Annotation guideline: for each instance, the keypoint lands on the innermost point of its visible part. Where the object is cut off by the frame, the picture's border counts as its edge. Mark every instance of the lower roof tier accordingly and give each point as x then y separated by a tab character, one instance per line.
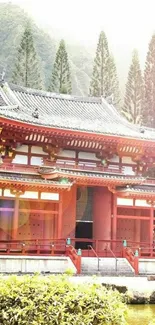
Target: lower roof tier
136	191
31	182
57	180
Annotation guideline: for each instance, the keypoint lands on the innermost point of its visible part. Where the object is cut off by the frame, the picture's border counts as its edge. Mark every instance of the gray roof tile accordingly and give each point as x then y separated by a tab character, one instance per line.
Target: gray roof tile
67	112
90	174
137	188
29	179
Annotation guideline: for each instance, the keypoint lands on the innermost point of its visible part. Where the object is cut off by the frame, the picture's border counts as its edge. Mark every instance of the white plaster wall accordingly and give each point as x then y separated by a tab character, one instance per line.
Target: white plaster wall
128	160
67	153
124	201
141	203
20	159
38	150
147	266
127	170
8	193
114	159
31	264
36	161
29	195
23	148
87	155
50	196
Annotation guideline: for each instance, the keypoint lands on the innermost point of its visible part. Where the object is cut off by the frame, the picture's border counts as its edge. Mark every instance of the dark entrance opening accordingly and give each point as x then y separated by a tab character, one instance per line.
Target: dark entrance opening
83	230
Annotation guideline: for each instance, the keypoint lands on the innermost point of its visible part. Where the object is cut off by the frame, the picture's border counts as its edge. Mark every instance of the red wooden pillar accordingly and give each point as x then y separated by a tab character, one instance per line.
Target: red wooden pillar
137	231
69	213
151	228
15	219
114	223
137	227
102	214
60	213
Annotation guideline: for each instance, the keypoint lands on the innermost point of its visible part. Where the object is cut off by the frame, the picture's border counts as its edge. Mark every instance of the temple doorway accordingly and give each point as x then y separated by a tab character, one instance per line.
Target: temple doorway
84	220
83	230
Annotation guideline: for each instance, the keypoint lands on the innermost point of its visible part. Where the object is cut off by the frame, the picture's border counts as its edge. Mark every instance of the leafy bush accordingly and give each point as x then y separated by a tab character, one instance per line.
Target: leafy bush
56	301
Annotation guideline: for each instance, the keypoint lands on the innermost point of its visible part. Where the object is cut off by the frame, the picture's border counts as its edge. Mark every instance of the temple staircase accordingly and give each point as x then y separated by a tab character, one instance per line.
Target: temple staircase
106	266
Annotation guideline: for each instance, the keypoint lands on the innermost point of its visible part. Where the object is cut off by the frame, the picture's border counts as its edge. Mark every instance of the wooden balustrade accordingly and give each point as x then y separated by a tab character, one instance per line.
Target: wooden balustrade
76	259
132	258
59	247
83	166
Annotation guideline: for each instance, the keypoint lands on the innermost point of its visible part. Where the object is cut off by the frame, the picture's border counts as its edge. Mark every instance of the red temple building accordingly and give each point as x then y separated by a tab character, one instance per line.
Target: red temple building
73	168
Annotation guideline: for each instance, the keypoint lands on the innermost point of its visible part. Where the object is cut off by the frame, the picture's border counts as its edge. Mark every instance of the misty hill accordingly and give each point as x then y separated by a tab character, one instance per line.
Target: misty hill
12	24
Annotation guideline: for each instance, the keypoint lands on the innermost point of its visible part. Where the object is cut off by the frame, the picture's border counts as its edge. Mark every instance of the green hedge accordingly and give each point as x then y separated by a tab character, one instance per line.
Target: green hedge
55	300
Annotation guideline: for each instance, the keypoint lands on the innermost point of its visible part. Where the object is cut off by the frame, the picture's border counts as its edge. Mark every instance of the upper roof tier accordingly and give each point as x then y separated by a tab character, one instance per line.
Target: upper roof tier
89	114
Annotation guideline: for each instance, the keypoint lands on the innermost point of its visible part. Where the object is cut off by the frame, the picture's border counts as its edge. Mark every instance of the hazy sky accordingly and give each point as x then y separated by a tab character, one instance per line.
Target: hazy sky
128	24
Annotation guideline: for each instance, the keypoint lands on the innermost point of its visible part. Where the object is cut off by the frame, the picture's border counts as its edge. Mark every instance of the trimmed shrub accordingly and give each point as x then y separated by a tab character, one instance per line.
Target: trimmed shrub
54	300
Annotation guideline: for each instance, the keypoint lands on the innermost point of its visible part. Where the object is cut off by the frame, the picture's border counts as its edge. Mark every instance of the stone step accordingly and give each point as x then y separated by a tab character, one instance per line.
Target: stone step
106	266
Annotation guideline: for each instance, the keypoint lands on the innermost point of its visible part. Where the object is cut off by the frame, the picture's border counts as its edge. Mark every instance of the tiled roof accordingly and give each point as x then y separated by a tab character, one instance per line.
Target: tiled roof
91	174
137	188
66	112
8	177
2	101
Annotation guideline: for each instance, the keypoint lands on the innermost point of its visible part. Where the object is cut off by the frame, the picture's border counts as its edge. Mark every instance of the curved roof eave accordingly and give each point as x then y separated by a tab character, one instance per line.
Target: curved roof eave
89	117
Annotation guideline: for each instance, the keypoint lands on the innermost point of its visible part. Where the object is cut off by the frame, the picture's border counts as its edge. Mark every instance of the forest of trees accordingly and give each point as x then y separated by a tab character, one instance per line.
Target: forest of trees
34	60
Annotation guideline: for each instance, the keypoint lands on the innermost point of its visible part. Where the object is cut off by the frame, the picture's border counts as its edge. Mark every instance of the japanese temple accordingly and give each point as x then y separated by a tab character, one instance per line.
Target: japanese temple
73	170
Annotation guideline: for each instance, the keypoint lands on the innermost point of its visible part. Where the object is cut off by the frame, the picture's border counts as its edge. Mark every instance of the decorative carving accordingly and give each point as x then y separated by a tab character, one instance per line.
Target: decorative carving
7	154
17	192
105	155
52	151
151	202
112	189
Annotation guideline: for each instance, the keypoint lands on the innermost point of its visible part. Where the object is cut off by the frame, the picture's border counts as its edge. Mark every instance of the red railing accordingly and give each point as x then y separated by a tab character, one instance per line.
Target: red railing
19	168
145	249
33	247
86	166
41	247
76	259
132	259
103	248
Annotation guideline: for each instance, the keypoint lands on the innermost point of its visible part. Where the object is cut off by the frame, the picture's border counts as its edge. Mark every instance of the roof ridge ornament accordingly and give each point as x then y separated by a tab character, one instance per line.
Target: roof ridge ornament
142	130
110	99
35	113
2	76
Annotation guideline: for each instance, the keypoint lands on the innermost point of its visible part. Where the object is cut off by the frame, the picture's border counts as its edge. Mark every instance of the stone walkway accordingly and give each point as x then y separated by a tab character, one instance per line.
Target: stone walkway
140	284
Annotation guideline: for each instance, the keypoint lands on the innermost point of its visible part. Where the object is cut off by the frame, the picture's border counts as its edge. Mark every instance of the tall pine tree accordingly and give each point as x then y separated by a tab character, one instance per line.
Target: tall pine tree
133	100
149	86
61	78
104	78
27	70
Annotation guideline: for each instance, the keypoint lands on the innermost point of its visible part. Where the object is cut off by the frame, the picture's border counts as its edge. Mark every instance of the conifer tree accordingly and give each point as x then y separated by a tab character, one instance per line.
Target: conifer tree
61	78
149	86
133	100
27	70
104	78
